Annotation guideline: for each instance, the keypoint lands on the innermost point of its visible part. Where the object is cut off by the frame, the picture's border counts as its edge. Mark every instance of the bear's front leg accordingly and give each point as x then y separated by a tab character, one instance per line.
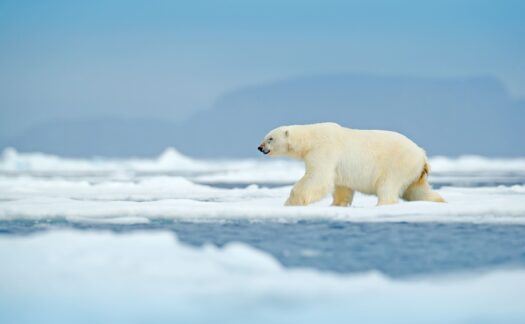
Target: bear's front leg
343	196
301	198
296	199
308	190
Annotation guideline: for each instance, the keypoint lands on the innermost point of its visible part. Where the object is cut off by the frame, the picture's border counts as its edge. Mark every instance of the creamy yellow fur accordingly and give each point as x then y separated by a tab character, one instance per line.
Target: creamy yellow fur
343	160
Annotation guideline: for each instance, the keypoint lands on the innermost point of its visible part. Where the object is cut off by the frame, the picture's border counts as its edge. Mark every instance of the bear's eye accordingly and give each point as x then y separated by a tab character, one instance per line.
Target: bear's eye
270	139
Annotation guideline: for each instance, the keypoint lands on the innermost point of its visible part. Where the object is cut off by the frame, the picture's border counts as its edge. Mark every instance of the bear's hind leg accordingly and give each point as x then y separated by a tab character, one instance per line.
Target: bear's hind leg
342	196
421	190
387	195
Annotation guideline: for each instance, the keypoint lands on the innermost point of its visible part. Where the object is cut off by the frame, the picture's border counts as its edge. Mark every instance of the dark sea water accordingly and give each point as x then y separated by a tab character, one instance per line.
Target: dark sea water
395	249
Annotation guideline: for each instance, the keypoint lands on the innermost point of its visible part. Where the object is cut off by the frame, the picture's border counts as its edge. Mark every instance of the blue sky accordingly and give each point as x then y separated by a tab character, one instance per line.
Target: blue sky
167	59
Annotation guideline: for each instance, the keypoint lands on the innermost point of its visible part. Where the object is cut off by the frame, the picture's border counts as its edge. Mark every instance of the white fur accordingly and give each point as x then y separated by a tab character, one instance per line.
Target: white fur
343	160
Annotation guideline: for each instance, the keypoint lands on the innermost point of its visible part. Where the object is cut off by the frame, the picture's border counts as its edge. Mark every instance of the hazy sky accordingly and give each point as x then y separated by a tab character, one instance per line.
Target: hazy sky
165	59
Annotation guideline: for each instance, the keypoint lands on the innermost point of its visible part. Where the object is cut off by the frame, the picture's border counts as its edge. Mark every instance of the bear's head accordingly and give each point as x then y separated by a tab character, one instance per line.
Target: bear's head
276	142
296	141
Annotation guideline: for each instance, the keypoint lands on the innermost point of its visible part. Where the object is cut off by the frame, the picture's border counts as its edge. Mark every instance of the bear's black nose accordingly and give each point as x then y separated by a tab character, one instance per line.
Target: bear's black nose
260	148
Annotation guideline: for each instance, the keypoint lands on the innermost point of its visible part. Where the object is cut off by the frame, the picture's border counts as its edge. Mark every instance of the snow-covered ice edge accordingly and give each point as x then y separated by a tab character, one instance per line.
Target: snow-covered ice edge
178	198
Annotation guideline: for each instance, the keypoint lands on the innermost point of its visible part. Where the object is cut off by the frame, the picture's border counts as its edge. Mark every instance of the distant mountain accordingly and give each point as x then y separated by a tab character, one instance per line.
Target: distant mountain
448	116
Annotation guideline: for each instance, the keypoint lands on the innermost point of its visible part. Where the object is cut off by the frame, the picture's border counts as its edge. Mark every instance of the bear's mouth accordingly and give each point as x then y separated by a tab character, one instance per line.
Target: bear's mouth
263	150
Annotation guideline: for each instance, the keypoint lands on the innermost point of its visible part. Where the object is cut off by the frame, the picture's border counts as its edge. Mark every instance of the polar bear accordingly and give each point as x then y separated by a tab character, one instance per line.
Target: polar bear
343	160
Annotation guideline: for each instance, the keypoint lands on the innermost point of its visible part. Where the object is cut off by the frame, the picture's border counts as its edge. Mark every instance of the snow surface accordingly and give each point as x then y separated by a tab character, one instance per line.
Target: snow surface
178	198
39	186
99	276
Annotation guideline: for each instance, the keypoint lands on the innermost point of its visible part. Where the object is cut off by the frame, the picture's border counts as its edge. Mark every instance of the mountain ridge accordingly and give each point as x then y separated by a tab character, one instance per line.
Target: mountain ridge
446	116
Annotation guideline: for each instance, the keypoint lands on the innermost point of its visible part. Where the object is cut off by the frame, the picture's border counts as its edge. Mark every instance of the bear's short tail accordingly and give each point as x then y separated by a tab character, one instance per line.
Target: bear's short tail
421	190
424	174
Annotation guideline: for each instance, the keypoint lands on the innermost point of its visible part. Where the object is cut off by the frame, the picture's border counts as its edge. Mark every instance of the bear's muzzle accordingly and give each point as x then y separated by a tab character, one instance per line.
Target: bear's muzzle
263	149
